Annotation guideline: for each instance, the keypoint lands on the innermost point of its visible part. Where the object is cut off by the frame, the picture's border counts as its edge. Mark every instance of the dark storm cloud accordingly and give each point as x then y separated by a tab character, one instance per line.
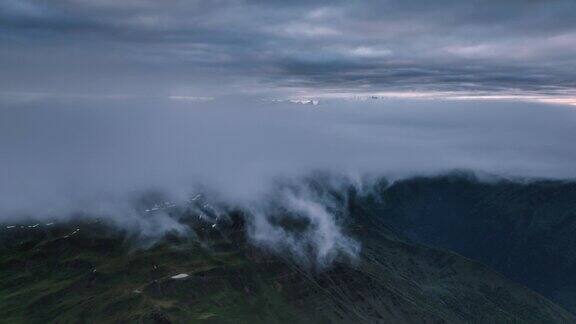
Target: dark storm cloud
188	47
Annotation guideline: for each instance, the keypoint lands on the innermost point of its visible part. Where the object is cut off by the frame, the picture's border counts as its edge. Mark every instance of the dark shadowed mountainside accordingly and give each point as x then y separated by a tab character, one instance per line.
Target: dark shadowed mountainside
523	230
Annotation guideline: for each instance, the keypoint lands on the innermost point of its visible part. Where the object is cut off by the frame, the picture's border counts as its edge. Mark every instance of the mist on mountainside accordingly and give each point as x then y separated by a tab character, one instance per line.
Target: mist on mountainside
98	158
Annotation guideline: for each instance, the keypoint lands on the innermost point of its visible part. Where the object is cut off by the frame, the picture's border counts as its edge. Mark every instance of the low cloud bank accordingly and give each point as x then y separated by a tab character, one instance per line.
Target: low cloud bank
96	157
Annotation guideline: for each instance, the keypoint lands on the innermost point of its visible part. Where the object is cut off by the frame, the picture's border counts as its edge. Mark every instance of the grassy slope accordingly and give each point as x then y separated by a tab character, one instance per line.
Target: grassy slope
96	276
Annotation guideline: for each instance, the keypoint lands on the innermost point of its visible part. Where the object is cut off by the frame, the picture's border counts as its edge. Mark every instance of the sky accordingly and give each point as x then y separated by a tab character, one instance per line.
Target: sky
147	48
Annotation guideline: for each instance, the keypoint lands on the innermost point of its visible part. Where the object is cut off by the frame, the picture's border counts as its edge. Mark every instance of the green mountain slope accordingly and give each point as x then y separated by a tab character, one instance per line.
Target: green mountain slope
83	272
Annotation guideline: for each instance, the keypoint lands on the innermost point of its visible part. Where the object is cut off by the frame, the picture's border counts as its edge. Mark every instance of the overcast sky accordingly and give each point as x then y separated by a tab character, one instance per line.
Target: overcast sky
197	47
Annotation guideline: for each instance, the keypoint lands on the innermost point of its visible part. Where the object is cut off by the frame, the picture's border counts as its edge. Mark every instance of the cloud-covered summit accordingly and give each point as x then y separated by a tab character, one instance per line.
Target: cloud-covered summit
176	47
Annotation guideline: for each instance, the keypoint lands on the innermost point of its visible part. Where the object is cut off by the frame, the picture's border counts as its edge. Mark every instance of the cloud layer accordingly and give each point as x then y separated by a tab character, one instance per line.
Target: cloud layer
82	149
103	157
179	47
